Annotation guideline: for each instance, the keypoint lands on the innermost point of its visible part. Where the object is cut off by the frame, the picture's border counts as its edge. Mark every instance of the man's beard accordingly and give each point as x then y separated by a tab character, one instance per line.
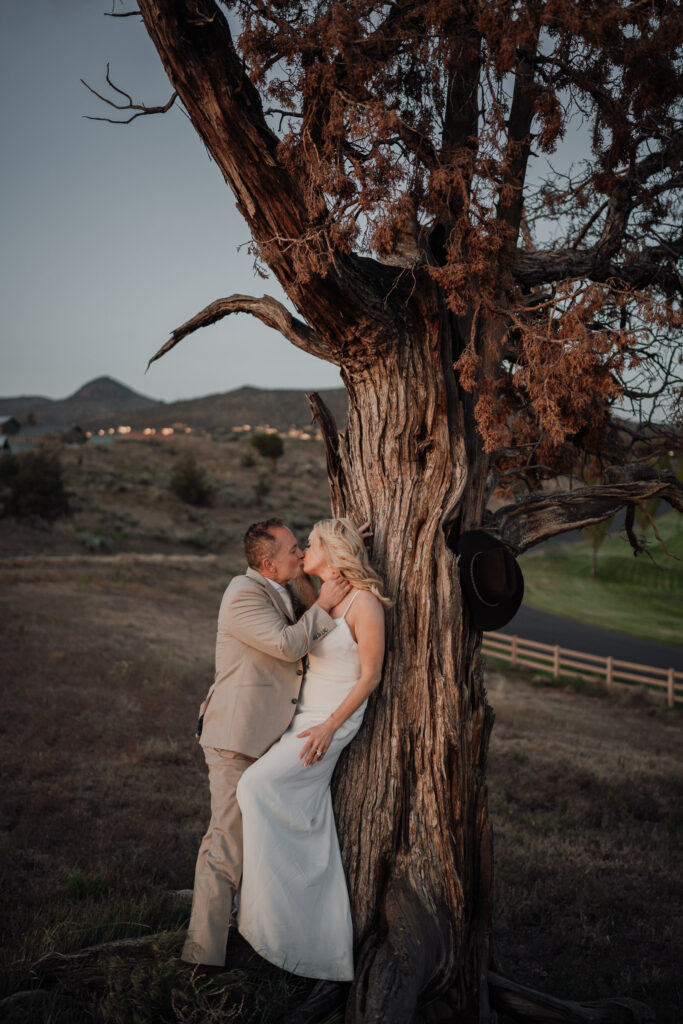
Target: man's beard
303	591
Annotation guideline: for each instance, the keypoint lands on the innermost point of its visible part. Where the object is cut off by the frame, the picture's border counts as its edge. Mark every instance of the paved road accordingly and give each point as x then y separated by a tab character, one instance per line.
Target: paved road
545	628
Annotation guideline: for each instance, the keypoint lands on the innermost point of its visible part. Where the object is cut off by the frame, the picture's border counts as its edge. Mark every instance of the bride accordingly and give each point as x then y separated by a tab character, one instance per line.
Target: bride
294	905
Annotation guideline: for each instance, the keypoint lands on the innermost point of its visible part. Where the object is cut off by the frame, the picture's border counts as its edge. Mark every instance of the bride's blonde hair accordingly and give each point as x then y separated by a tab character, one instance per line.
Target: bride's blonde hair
344	550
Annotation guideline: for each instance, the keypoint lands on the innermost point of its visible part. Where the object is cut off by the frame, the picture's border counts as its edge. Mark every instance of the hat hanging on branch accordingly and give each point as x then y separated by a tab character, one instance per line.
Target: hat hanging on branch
491	579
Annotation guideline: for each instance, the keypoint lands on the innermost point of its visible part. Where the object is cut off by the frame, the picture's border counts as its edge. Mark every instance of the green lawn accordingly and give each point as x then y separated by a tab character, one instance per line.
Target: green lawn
629	594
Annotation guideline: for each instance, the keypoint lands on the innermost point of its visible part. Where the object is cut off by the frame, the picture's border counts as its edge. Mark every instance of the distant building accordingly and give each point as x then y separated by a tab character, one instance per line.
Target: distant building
9	425
75	436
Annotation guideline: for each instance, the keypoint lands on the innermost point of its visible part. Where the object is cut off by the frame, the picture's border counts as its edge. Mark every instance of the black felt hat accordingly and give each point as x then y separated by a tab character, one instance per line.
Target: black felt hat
491	579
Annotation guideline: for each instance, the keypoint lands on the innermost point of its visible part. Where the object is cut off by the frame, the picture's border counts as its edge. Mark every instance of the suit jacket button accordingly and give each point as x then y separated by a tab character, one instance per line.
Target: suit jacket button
294	700
299	671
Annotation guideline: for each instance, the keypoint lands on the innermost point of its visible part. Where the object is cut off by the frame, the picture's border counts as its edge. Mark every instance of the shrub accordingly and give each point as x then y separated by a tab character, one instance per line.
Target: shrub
270	446
190	483
33	485
262	490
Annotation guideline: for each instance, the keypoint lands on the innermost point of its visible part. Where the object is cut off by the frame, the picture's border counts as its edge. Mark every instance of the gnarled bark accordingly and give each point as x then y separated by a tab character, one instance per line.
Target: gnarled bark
527	1005
410	793
538	517
268	310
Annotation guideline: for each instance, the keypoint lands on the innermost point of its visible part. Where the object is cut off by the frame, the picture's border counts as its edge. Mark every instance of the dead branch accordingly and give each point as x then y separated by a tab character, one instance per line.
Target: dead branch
268	310
511	195
328	428
140	108
637	545
653	265
589	224
657	534
94	967
525	1005
123	14
538	517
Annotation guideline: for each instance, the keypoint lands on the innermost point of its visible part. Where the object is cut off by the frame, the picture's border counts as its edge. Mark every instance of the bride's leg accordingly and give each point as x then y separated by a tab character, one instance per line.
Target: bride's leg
294	905
280	771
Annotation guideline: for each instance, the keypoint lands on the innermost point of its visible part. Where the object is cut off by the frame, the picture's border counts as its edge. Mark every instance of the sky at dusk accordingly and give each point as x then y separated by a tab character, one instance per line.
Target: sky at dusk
113	235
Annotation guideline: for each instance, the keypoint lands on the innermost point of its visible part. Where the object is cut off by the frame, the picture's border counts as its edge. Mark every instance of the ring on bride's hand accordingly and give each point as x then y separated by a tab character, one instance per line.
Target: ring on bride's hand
320	753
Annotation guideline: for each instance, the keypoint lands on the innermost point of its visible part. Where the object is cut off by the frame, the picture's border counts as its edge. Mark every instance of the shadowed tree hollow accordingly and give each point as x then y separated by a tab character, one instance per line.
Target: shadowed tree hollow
501	317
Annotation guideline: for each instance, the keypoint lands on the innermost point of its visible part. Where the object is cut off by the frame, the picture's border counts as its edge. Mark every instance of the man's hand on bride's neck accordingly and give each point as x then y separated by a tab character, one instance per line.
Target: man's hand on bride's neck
332	592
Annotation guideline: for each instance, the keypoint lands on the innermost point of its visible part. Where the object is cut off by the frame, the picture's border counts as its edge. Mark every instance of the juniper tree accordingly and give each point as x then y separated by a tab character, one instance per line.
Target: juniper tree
491	310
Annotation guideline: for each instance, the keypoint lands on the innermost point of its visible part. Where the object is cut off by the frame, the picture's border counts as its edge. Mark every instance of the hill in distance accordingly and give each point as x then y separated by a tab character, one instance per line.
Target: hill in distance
104	403
100	397
256	406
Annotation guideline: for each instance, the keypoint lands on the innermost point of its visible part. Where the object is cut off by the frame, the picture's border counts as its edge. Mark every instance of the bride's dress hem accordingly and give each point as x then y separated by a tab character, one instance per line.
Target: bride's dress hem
294	904
300	968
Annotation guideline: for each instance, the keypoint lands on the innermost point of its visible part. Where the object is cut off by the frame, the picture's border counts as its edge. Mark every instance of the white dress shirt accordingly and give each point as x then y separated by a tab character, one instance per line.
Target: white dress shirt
284	594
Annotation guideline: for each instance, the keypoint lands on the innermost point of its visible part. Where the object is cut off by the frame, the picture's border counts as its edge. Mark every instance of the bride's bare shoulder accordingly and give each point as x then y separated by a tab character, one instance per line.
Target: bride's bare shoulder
365	601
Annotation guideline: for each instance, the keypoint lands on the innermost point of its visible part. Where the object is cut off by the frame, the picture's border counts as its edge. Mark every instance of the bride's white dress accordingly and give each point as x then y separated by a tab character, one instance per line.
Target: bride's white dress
294	904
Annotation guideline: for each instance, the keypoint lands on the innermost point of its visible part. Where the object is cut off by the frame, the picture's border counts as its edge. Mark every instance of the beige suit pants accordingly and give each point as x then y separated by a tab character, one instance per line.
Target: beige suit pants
219	862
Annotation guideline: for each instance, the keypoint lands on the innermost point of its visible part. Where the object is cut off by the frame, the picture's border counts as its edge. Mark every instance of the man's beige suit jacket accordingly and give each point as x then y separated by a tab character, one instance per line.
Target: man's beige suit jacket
259	651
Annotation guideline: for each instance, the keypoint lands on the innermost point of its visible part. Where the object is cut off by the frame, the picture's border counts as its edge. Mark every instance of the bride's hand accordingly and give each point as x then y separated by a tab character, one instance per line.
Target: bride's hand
317	742
366	532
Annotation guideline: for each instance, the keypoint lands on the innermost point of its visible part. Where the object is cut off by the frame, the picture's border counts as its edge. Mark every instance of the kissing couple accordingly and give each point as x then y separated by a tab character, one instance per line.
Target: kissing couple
288	696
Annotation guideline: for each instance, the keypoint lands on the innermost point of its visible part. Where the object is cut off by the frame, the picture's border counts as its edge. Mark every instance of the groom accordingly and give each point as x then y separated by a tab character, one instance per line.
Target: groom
259	669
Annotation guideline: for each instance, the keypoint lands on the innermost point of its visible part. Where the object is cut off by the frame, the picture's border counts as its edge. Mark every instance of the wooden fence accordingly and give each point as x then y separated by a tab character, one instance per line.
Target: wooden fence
559	661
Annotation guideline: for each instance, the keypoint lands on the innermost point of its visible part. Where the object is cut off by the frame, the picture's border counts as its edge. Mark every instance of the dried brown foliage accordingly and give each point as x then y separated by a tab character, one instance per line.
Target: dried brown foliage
409	127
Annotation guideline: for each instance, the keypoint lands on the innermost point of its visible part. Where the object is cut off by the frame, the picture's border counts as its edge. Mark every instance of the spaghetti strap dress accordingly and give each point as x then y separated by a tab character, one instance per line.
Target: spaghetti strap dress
293	903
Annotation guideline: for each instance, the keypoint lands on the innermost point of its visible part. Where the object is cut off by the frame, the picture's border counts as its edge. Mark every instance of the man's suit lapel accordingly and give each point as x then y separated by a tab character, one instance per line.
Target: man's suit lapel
271	592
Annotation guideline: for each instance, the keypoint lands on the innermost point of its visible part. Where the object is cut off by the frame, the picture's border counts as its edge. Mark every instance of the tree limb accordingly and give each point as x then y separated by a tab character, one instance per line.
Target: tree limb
196	47
268	310
539	517
461	114
657	534
141	108
526	1006
93	968
589	224
335	469
653	265
518	148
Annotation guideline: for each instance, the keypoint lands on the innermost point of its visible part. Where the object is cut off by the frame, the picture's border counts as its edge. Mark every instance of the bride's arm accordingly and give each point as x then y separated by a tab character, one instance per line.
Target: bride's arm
368	626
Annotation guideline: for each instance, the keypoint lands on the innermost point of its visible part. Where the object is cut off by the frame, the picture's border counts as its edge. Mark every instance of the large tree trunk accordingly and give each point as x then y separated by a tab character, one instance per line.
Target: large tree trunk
410	796
410	793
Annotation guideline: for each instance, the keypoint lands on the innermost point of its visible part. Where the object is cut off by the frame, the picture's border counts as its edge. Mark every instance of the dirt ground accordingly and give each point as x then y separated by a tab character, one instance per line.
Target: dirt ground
104	796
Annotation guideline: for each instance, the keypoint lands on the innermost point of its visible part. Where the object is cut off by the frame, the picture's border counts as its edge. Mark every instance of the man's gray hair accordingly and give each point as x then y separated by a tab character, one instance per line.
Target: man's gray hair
260	542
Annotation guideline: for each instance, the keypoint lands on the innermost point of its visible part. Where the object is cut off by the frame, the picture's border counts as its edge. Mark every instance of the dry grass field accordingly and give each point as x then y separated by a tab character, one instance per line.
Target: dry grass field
104	795
120	499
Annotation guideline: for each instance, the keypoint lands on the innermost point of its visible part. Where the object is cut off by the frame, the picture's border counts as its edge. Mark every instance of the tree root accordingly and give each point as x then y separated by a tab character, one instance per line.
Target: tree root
24	1002
395	967
323	999
95	967
401	967
392	972
524	1004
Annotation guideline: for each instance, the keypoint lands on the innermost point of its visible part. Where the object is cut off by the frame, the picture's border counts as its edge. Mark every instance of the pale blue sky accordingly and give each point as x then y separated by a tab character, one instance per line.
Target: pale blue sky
113	235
